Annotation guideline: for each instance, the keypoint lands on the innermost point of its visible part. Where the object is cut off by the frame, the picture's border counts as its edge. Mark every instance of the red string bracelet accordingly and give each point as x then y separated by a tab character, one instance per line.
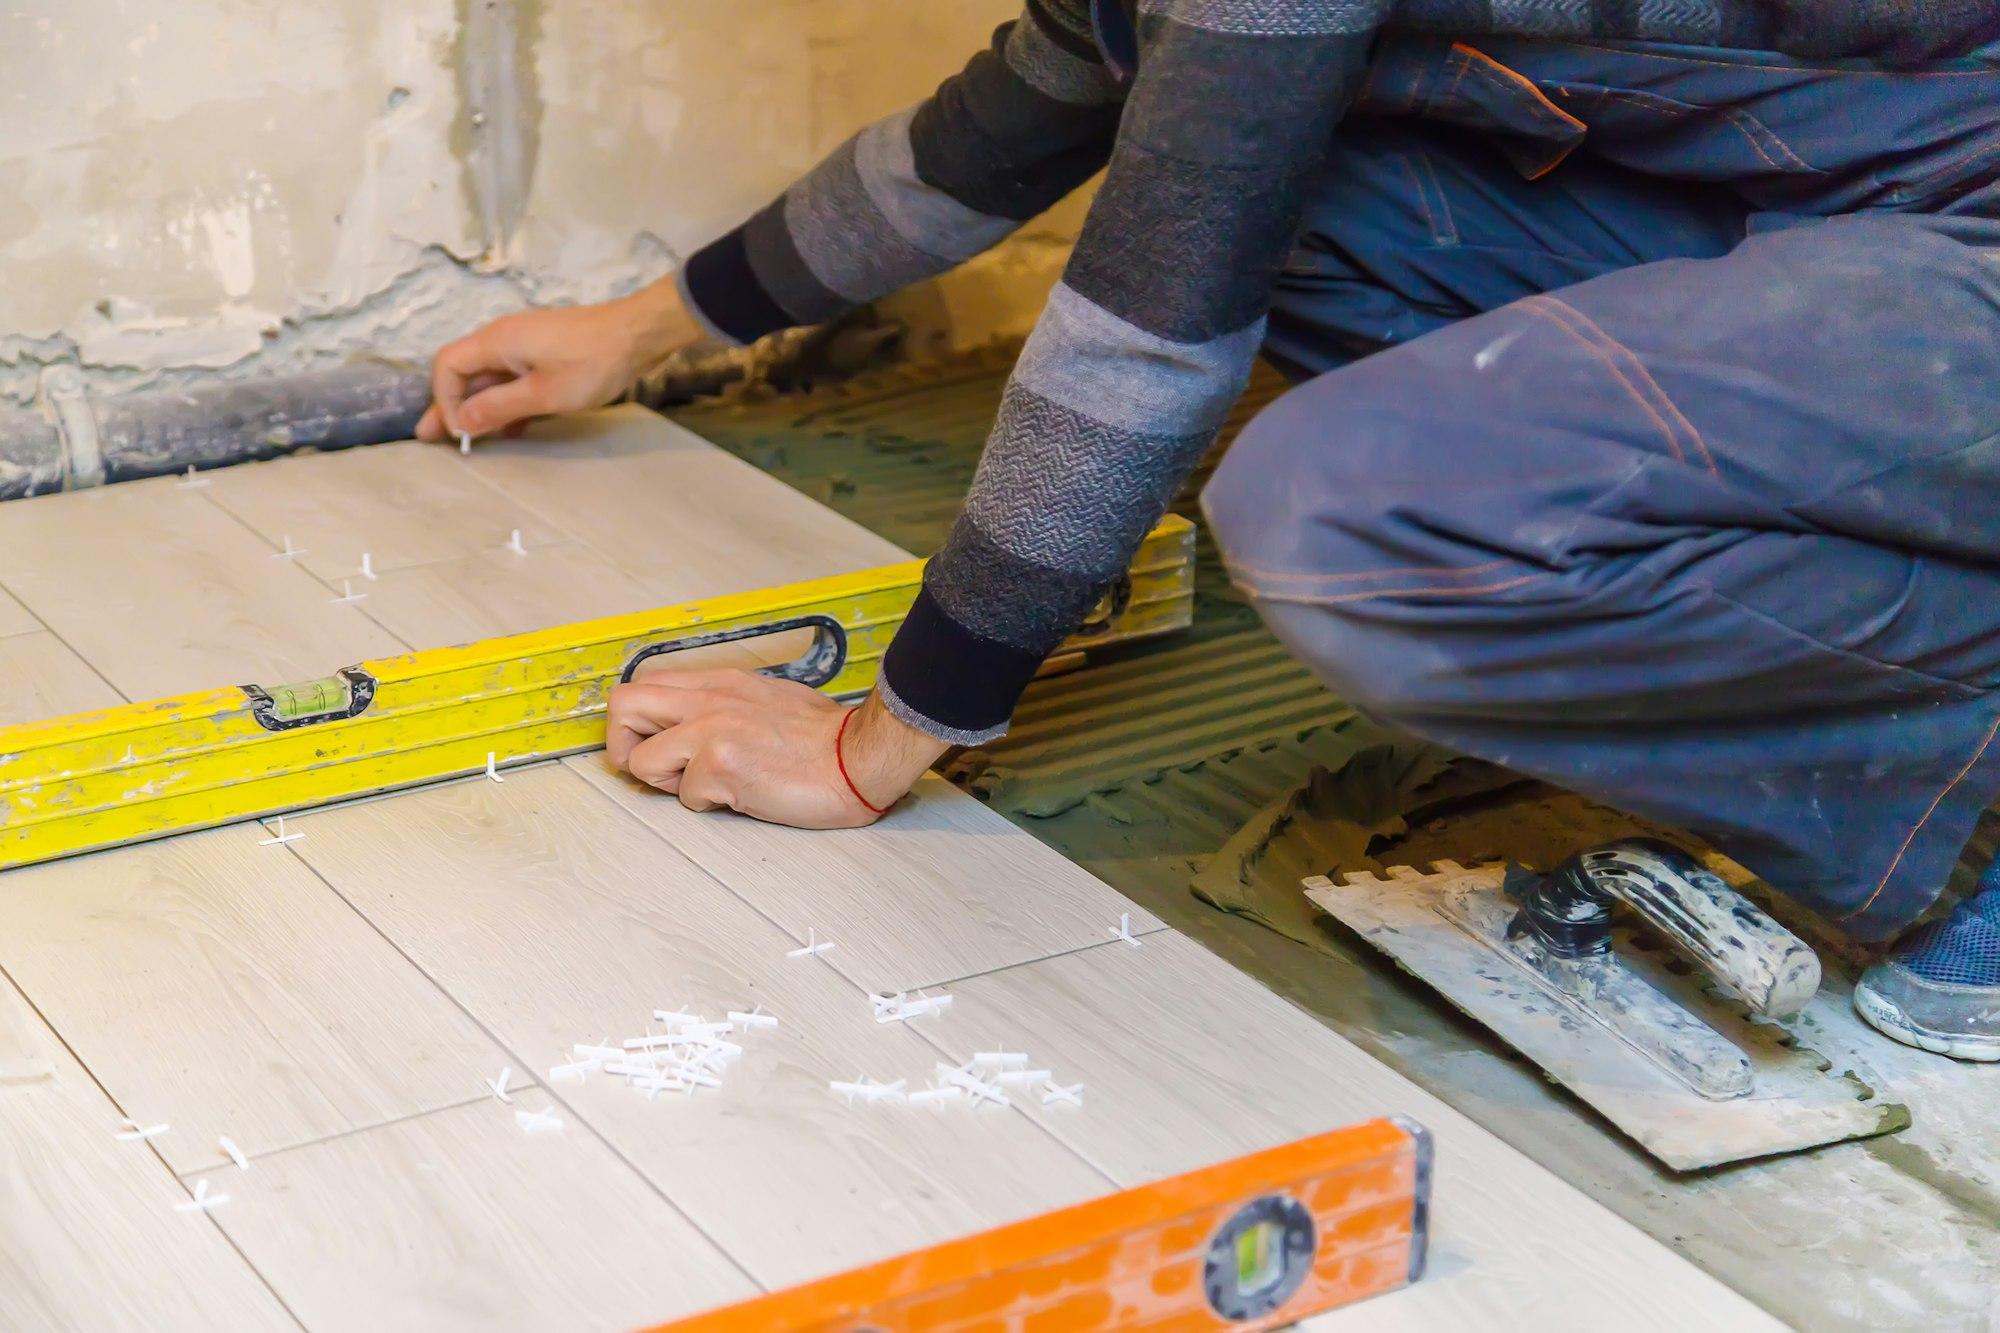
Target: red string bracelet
845	776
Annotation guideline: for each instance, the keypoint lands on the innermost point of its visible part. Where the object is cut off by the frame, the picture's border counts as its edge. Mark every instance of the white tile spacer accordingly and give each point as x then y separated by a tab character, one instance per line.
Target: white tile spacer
751	1020
927	1004
814	947
492	772
498	1086
976	1088
537	1122
281	838
998	1060
1123	930
232	1152
1021	1078
947	1093
202	1200
190	481
137	1131
1057	1095
514	543
676	1019
587	1052
347	593
576	1070
653	1043
868	1090
290	552
465	442
367	566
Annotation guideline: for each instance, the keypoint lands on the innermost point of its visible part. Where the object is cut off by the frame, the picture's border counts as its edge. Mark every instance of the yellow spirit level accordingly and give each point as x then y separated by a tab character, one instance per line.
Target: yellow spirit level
145	770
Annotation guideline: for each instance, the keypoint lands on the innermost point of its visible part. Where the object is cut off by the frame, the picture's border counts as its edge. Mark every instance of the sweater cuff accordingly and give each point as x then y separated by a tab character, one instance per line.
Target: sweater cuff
725	297
948	682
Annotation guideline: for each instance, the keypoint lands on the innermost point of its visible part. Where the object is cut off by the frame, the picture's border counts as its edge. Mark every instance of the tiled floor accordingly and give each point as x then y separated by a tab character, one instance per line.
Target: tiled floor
334	1005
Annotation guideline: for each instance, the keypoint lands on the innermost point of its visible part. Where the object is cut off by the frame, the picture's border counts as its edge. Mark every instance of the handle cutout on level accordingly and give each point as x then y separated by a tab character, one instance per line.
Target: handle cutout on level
344	694
1110	606
817	665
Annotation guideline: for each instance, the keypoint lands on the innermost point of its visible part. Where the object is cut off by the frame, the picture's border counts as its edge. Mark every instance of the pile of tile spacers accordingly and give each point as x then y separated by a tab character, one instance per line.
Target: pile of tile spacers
690	1053
902	1006
984	1080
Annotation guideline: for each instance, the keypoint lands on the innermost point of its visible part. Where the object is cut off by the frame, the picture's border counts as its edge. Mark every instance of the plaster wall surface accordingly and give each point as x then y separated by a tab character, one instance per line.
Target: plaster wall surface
242	186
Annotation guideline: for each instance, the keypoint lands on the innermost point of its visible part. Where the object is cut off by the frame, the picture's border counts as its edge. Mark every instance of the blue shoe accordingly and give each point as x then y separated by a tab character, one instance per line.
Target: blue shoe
1939	987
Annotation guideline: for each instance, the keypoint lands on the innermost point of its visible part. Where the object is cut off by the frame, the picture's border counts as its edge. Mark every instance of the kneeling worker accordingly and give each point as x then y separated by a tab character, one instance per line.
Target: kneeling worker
1647	438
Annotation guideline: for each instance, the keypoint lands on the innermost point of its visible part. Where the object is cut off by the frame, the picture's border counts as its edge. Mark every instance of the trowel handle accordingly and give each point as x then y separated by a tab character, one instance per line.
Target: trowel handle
1707	922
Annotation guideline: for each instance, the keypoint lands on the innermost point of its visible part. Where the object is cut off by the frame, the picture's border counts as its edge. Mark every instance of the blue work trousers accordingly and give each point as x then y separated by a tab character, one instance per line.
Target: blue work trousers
1649	442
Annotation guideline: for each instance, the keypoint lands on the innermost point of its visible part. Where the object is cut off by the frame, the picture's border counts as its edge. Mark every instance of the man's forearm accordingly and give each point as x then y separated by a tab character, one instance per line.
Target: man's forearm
659	322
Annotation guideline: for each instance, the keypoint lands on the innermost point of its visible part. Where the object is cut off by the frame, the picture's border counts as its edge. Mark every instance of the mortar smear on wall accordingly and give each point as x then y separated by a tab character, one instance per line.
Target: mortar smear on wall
209	188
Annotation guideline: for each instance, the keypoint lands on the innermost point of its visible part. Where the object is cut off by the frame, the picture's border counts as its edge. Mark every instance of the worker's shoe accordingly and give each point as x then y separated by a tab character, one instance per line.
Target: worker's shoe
1939	986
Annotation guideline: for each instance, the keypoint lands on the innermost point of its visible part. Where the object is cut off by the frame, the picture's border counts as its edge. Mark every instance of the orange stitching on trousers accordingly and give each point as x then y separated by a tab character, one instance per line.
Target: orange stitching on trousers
1950	787
1665	400
1335	599
1442	571
1496	67
1532	306
1740	121
1788	69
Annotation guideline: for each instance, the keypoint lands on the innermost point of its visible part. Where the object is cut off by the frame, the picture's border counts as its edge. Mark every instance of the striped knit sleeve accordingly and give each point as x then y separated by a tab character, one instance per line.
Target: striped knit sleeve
1143	347
908	197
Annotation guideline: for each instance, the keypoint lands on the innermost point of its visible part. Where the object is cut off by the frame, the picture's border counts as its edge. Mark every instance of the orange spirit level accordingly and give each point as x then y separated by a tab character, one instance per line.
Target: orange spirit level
1249	1244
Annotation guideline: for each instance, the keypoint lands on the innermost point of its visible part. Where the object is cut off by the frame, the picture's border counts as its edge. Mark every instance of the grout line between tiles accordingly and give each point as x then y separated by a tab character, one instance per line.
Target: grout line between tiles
247	526
862	992
1042	958
350	1132
50	630
151	1147
524	1063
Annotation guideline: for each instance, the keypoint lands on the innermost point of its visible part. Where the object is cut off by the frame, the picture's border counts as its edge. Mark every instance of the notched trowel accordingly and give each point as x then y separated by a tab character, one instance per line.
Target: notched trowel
1695	1063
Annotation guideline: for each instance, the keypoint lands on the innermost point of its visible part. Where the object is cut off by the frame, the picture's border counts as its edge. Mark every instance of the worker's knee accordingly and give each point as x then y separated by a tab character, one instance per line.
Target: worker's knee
1306	486
1346	512
1393	672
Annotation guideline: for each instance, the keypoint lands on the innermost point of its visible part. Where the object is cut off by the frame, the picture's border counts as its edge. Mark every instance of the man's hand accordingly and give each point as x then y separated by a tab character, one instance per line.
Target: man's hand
764	747
541	362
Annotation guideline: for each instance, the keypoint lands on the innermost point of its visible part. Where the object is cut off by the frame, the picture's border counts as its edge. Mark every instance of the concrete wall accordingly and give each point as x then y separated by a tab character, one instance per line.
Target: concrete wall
235	185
